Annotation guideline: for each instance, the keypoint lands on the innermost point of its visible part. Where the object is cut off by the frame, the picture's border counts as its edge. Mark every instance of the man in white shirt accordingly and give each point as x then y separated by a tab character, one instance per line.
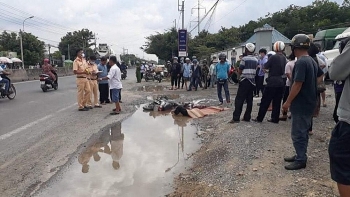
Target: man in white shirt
115	83
5	81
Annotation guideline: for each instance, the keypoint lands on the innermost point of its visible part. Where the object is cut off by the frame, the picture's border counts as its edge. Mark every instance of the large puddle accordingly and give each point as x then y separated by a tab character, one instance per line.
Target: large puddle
138	157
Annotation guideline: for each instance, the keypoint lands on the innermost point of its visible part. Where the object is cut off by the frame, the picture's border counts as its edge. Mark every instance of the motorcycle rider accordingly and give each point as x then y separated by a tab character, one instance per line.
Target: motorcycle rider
123	68
49	70
4	80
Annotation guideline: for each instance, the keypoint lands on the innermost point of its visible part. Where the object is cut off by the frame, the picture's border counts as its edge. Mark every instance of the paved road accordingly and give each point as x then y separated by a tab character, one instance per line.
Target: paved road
39	131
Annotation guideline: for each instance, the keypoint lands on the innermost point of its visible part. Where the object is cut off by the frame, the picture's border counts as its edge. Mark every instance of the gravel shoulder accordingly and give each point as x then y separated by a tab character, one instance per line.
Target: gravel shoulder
246	159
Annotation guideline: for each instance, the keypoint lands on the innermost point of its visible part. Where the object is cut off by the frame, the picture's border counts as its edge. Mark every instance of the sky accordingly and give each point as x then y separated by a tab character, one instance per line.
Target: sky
126	23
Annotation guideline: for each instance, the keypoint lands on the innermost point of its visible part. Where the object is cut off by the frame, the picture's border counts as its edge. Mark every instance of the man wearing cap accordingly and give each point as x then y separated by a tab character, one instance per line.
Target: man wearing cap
81	71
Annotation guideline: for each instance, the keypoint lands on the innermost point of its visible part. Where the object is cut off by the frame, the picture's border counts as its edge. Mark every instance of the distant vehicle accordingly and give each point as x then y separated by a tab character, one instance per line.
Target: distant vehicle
46	82
326	38
334	52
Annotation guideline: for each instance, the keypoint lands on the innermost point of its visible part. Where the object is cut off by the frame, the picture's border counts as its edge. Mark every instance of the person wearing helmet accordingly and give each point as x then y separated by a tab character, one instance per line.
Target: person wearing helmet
186	72
301	100
275	83
180	78
196	72
205	73
222	69
339	149
175	73
247	71
48	69
233	56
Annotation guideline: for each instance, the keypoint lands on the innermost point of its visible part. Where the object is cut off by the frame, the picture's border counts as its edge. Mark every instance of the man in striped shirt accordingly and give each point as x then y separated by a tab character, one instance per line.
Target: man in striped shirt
247	71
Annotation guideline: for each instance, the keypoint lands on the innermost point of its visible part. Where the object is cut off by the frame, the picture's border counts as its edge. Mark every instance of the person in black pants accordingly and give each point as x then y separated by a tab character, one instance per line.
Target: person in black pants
275	85
338	90
247	71
260	73
175	73
180	78
103	85
196	75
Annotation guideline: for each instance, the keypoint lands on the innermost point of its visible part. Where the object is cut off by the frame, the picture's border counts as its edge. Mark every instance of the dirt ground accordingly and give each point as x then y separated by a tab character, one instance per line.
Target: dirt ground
246	159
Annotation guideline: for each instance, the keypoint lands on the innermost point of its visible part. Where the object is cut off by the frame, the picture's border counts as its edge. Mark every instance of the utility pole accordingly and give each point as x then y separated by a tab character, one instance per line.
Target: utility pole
199	15
68	52
21	42
181	8
175	23
49	53
95	39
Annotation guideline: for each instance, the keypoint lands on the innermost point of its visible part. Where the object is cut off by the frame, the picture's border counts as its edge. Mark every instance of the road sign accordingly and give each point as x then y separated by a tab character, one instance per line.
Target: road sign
182	39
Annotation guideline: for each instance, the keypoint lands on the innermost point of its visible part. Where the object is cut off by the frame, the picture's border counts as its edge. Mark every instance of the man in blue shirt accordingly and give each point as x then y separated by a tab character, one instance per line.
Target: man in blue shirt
261	73
222	70
103	85
247	71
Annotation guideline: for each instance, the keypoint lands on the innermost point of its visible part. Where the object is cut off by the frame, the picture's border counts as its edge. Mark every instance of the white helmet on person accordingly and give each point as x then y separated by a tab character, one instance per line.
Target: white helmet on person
343	39
270	53
279	46
250	47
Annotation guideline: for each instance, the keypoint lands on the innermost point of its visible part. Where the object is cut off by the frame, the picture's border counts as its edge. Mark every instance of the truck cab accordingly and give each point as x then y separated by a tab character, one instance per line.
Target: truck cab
326	38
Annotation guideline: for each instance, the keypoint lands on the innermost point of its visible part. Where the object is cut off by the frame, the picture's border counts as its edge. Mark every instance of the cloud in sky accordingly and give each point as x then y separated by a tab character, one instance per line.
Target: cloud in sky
126	23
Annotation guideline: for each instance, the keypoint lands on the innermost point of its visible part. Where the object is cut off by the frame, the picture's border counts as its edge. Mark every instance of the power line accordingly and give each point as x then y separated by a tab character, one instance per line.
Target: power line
25	14
232	10
201	20
19	22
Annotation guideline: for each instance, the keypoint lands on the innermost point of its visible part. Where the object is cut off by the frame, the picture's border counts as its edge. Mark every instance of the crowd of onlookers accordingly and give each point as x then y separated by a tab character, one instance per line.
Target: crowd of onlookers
293	83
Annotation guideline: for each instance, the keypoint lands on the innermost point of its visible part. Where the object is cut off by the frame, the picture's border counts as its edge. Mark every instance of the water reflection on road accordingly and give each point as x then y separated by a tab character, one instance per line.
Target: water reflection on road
138	157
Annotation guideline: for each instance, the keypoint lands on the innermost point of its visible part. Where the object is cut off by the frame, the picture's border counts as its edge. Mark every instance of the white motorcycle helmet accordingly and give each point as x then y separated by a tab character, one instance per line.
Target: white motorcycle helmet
270	53
279	46
250	47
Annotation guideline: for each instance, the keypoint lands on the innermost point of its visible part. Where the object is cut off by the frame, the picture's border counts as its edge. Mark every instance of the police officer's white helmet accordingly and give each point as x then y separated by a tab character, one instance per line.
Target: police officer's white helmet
270	53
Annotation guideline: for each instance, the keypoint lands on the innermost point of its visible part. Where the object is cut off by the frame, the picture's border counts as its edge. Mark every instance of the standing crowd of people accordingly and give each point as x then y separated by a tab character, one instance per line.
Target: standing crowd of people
294	84
98	84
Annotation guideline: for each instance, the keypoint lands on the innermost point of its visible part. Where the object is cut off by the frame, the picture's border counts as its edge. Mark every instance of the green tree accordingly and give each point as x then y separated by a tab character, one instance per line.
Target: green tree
75	40
33	48
57	55
163	45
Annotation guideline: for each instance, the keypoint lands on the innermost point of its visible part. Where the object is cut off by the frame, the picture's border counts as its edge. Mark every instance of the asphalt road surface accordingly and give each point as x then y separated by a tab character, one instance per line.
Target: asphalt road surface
40	131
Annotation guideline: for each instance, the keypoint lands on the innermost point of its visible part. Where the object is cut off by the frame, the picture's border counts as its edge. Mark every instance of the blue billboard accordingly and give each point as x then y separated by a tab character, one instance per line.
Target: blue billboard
182	42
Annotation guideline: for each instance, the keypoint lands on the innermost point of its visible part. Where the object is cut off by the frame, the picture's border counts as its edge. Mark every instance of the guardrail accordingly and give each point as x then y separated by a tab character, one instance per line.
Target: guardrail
33	74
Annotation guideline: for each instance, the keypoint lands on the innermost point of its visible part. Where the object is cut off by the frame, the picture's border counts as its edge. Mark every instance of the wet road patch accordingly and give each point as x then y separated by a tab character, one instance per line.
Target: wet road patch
138	157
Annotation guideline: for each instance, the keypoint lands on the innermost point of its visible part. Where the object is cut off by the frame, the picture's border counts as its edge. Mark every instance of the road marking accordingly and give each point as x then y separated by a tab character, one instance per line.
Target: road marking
23	128
31	81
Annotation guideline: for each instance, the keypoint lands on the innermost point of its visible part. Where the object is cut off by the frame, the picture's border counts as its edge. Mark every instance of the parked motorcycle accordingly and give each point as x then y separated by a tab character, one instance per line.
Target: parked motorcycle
12	89
149	76
46	82
159	76
124	74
